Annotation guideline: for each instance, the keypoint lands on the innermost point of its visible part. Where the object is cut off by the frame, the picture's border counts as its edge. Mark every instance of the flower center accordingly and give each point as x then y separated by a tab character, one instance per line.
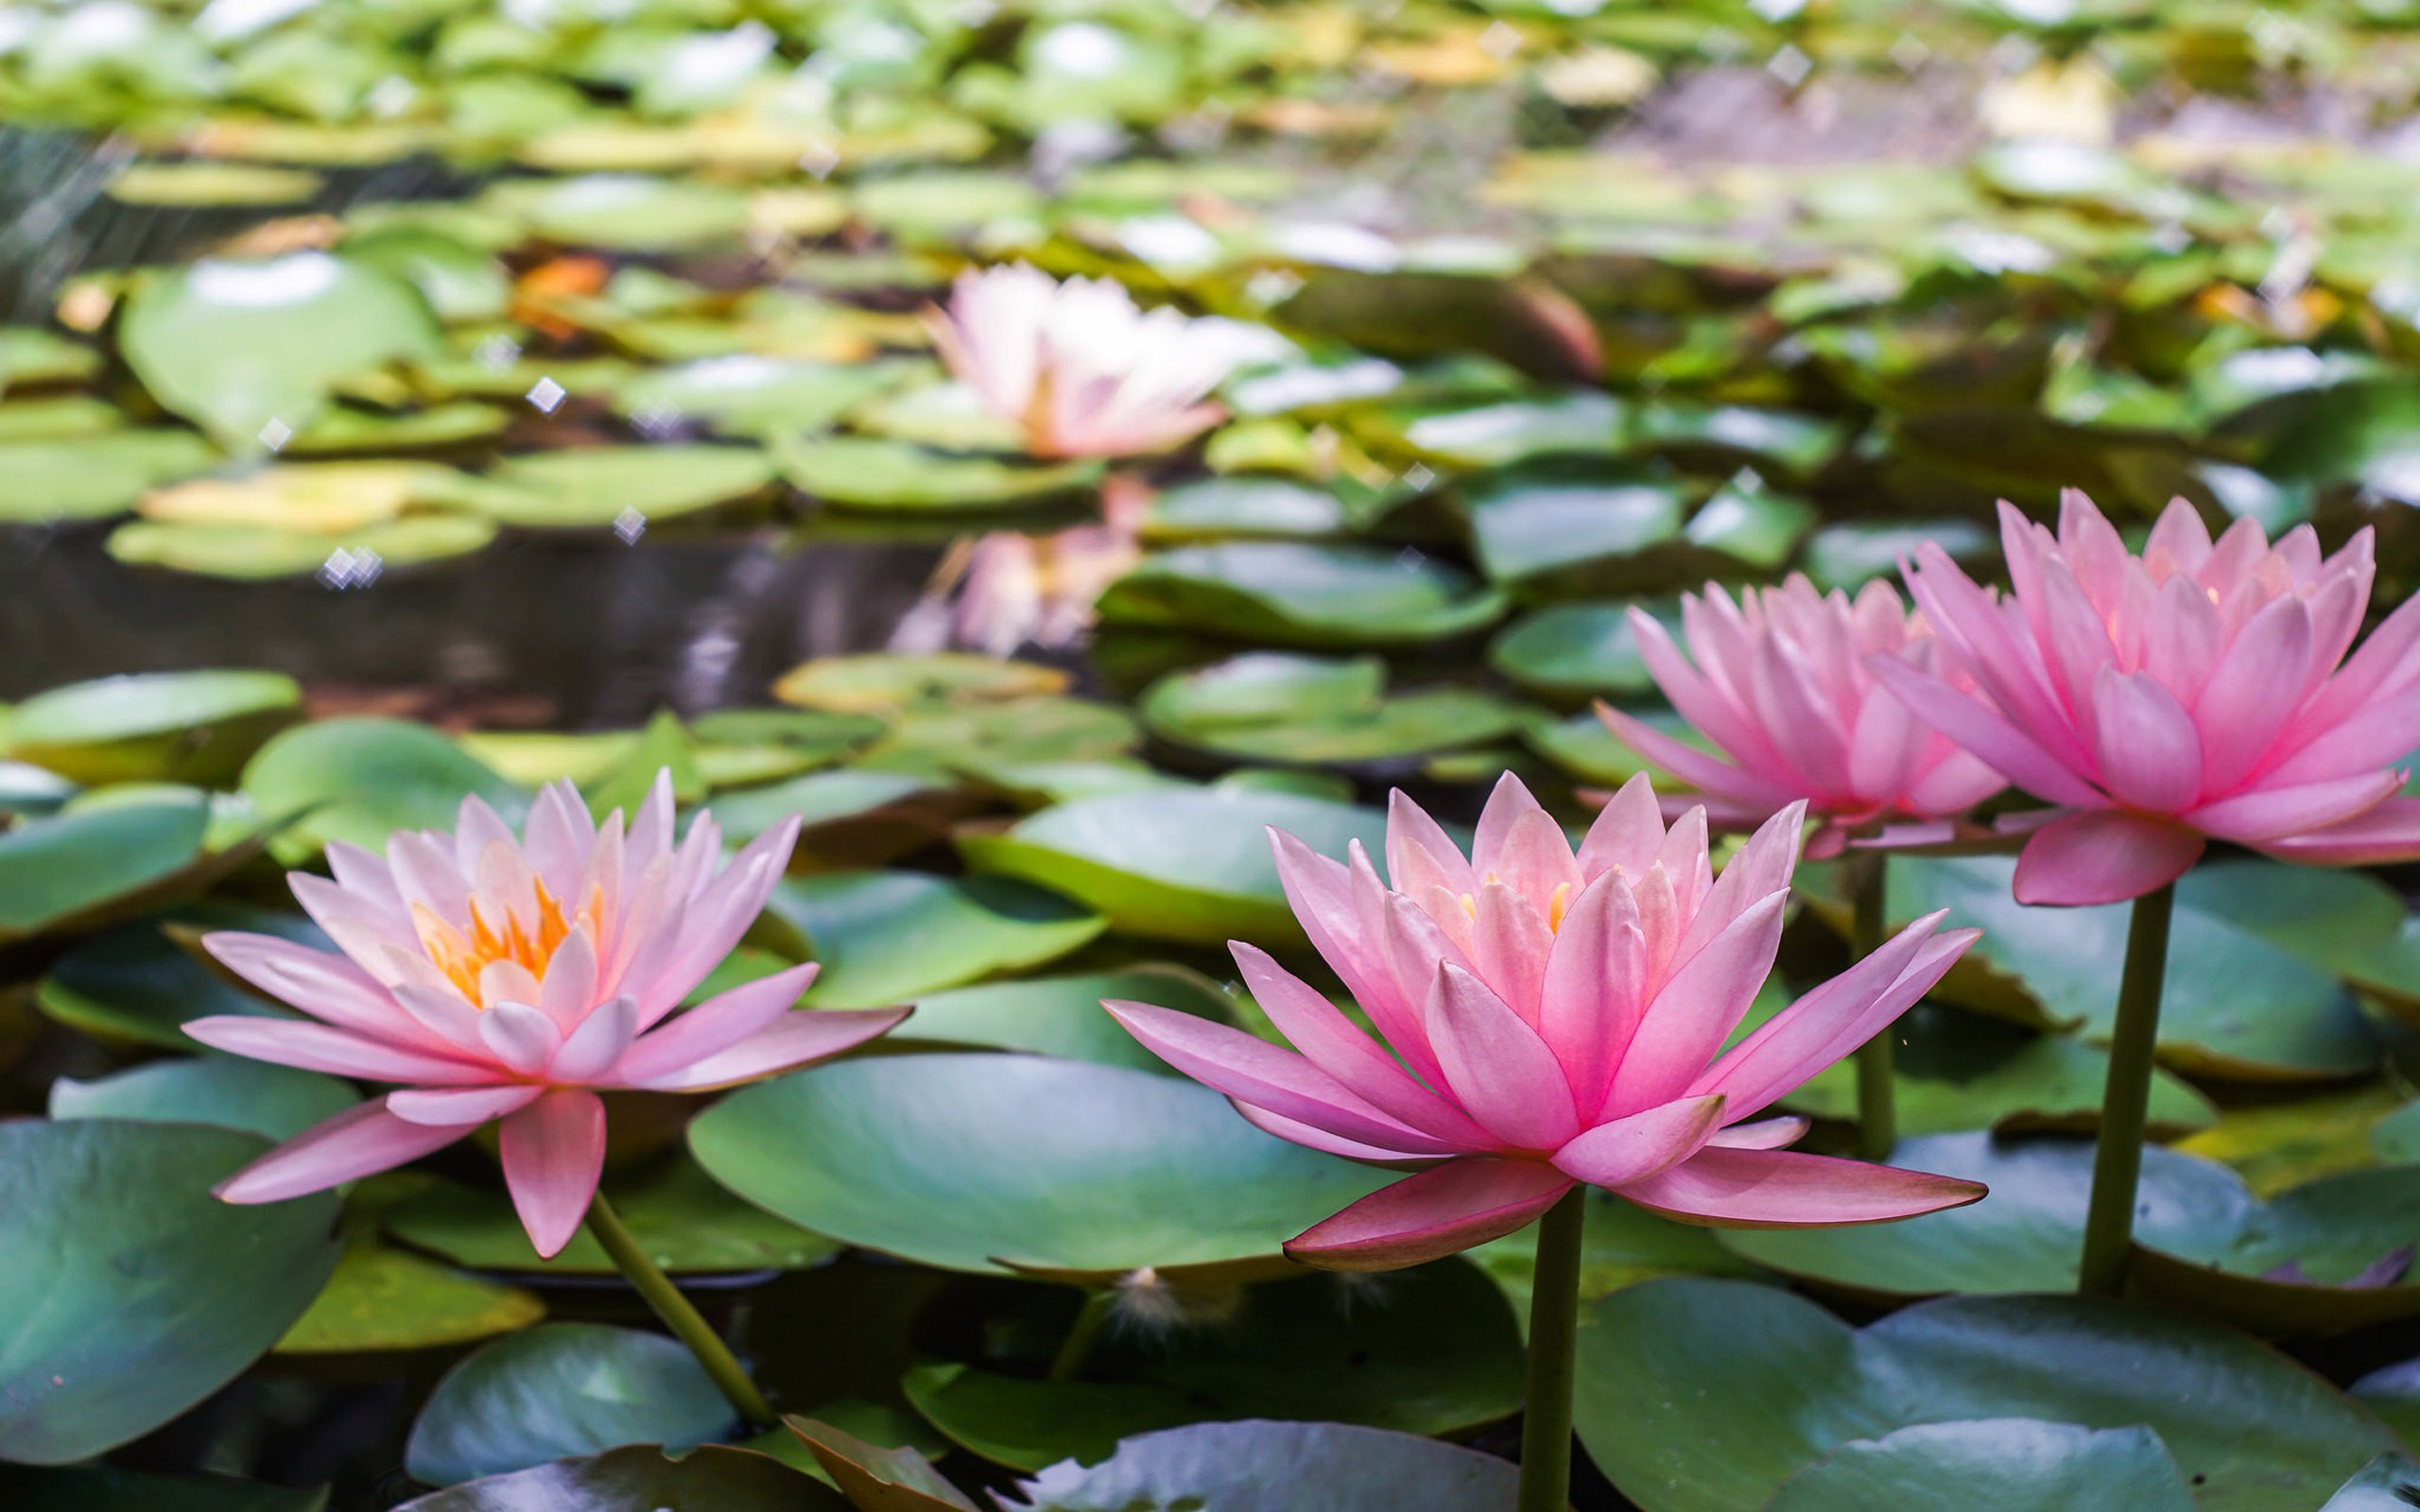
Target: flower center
527	943
1556	906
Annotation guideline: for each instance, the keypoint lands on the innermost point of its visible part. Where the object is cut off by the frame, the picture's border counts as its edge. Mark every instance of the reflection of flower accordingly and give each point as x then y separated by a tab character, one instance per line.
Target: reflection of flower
1780	684
509	978
1077	366
1546	1018
2188	693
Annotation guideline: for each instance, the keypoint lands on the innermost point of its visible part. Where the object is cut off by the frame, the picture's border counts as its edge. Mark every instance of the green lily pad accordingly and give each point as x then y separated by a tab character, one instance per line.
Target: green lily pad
1574	652
239	348
348	431
558	1390
361	780
133	983
461	279
989	1162
2387	1483
1061	1015
1848	555
868	473
2392	1392
1621	1244
830	804
624	211
199	184
59	418
1248	507
1335	1467
939	743
639	1478
602	487
882	682
92	477
382	1299
128	1292
1435	1354
679	1216
2329	1255
31	356
1685	1401
2027	1236
1993	1464
108	1488
2236	1004
1583	420
1299	595
173	727
354	557
275	1101
1191	865
889	937
1571	527
1277	707
71	871
743	394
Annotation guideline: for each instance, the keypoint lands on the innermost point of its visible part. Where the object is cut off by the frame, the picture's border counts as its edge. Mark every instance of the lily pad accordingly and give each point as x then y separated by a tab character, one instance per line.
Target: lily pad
992	1164
108	1488
1993	1464
239	348
625	212
1685	1401
1191	865
72	869
361	780
1575	652
1278	707
275	1101
619	487
868	473
1274	1467
92	477
679	1216
136	984
344	560
382	1299
1299	595
841	812
174	727
558	1390
1569	526
2387	1483
639	1478
128	1292
889	682
2329	1255
747	395
1061	1015
889	937
1248	507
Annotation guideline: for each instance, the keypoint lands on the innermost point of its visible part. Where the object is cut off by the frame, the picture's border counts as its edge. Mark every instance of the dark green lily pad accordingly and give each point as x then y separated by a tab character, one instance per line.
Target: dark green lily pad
1274	1467
171	726
383	1300
889	937
1278	707
990	1163
1993	1464
134	984
275	1101
868	473
1575	652
620	486
675	1212
1191	865
108	1488
558	1390
362	779
1569	527
2329	1255
128	1292
92	477
1491	435
2387	1483
1706	1395
639	1478
1248	507
840	810
1299	595
1061	1015
250	351
72	869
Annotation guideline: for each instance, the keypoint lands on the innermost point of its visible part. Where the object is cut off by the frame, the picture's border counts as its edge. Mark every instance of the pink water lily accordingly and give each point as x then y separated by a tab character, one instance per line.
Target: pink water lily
2163	701
503	977
1780	684
1077	366
1546	1018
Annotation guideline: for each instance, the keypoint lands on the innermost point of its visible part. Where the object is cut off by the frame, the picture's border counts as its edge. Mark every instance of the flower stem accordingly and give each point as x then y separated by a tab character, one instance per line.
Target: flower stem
1078	1345
1554	1328
1877	1113
677	1314
2109	1222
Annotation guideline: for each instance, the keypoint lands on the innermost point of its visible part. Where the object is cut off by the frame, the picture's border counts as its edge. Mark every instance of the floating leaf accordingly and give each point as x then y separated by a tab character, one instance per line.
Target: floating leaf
137	984
639	1478
1993	1464
173	727
74	869
1236	1468
1063	1015
97	476
1297	594
888	936
626	212
108	1488
866	473
275	1101
620	486
383	1300
349	559
361	780
886	683
1275	706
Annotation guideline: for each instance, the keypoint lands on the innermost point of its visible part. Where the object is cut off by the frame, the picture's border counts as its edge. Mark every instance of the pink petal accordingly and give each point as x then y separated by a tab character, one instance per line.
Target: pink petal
1634	1148
1993	648
1254	1071
1419	850
2387	832
1496	1066
1707	707
1694	766
457	1107
1320	1140
1508	804
793	1041
569	989
559	837
2255	690
1590	1005
322	1047
715	1025
597	1044
359	1142
1763	866
1723	1188
1336	1046
2106	856
2282	813
2381	735
1627	832
2149	752
1440	1211
521	1038
721	914
1697	1010
327	986
554	1151
1983	733
1768	1134
1535	860
1827	1023
1321	892
1510	941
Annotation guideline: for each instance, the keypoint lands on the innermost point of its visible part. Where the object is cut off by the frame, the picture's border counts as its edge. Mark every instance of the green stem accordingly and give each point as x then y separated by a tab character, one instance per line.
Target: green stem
2109	1223
1878	1115
1554	1329
1078	1345
682	1319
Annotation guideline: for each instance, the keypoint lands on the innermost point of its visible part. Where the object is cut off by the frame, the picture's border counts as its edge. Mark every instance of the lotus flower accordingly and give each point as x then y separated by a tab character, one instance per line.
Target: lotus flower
1546	1018
1079	367
2161	702
1781	685
497	978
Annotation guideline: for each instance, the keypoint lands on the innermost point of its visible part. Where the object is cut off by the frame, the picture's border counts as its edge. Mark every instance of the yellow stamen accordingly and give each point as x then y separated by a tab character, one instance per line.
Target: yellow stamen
1556	906
505	939
1470	906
